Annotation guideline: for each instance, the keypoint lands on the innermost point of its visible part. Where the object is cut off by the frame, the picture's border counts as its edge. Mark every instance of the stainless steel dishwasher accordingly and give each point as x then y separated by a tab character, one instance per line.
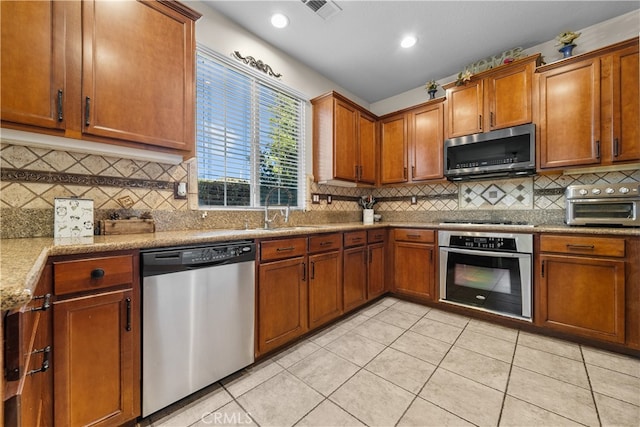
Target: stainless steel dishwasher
197	318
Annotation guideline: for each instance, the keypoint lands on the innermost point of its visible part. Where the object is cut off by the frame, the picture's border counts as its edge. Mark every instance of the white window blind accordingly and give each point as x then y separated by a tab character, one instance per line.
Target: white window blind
249	138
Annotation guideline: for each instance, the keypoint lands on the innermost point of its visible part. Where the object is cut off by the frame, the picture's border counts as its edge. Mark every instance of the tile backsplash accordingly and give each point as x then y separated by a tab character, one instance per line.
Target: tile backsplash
32	177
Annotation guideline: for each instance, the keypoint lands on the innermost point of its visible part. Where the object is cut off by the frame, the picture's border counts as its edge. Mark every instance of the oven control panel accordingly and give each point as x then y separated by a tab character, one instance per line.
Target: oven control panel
506	244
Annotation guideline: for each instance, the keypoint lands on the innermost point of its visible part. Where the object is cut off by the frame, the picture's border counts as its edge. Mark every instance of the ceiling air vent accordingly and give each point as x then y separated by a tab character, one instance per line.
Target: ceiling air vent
323	8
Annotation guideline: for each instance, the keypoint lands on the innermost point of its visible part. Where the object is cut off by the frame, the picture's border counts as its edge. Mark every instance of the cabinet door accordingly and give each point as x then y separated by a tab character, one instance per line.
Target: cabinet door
413	269
583	296
367	127
325	288
393	150
626	105
282	303
375	273
33	62
137	73
508	95
93	350
355	277
569	128
427	143
345	141
464	109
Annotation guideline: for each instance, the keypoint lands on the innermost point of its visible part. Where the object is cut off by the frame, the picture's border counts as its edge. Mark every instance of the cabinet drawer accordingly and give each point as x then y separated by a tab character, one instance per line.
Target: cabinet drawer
355	238
325	242
283	248
374	236
605	246
93	273
414	235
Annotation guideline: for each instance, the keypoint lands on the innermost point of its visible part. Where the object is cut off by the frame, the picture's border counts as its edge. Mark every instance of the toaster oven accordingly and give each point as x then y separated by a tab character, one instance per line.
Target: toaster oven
603	205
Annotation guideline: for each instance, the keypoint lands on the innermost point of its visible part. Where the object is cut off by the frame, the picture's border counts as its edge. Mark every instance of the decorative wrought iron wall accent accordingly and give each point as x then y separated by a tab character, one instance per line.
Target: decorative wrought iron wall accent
18	175
256	63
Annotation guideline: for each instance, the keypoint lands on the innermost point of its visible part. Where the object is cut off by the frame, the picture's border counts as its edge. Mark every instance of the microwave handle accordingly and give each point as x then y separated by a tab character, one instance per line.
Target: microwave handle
485	253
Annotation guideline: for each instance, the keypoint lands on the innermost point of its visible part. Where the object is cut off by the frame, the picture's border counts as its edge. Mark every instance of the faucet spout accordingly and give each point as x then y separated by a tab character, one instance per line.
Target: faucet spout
284	213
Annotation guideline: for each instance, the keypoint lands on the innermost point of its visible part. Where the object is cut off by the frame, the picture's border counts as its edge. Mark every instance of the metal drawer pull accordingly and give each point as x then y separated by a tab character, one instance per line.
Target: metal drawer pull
128	301
356	239
326	243
46	304
45	362
60	114
98	273
413	236
290	248
587	247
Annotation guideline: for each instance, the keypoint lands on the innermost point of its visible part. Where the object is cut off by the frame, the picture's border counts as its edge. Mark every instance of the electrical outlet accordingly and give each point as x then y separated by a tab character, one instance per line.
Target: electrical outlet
414	200
329	199
315	199
179	190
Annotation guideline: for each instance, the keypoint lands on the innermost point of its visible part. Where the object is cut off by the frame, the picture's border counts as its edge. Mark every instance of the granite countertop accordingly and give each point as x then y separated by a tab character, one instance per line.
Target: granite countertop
22	260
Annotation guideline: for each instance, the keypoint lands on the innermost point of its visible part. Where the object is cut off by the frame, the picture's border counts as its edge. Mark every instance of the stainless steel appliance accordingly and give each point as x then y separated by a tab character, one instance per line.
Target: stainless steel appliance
197	318
603	204
487	271
499	153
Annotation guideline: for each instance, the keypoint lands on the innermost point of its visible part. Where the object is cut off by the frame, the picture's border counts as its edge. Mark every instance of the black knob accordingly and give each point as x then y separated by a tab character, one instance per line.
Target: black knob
98	273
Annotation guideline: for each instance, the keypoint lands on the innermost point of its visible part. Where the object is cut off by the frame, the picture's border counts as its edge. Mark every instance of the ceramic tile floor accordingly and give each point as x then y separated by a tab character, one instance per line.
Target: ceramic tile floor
396	363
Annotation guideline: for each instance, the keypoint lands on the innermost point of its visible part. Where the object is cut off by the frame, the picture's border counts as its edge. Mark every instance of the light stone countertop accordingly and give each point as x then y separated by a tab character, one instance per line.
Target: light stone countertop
22	260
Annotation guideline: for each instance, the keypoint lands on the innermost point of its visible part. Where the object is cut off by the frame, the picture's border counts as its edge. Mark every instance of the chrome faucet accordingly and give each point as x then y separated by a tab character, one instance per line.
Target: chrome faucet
283	212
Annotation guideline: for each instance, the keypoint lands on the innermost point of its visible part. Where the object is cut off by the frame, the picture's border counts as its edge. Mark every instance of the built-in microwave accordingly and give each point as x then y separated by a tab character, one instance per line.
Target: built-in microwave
499	153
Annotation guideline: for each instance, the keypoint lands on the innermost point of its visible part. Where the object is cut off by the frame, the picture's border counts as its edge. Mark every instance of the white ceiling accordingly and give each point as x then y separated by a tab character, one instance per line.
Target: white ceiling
359	50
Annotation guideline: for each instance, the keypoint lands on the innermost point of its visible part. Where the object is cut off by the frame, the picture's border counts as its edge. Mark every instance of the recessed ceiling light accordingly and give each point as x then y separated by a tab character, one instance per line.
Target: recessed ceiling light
278	20
408	41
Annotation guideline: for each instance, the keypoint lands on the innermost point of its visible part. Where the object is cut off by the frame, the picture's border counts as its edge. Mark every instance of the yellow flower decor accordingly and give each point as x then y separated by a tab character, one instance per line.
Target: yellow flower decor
566	38
463	77
431	85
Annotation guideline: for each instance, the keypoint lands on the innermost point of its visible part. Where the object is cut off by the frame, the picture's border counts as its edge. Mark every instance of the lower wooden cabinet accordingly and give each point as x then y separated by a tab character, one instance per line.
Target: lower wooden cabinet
94	342
414	263
28	378
581	286
376	270
355	277
281	302
325	288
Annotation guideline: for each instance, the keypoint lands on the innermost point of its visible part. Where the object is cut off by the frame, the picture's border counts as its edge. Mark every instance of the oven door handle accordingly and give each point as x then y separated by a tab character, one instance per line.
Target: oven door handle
480	252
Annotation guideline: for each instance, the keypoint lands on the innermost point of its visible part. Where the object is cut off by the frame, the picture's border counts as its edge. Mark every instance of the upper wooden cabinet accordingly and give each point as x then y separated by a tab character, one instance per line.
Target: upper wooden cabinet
411	144
115	72
493	99
590	108
344	141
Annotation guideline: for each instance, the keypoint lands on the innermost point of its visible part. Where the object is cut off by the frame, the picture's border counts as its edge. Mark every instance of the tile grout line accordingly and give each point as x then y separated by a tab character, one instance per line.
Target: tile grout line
593	396
506	388
234	399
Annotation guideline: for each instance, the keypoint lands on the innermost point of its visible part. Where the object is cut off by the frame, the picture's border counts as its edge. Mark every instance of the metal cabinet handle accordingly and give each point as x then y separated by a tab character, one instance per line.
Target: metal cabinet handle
413	236
597	149
480	121
413	172
491	119
580	247
313	270
128	302
326	243
290	248
45	361
97	274
87	110
542	270
616	147
304	271
404	173
60	115
46	304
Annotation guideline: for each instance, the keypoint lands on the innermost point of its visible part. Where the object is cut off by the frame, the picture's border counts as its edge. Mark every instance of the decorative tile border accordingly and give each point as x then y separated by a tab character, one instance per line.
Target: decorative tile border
499	194
18	175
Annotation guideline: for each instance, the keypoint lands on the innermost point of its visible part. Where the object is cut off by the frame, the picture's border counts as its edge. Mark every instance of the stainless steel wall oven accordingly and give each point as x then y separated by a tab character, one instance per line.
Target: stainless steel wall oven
487	271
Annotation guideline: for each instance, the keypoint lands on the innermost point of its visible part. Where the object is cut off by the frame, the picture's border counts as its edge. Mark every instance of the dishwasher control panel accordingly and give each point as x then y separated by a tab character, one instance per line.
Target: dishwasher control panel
162	261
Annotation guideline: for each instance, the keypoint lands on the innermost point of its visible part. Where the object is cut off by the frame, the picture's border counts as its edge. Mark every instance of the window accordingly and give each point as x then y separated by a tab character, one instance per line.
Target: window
249	137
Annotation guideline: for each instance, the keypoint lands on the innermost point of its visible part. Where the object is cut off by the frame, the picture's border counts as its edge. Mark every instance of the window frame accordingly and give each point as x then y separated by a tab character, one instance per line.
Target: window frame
257	79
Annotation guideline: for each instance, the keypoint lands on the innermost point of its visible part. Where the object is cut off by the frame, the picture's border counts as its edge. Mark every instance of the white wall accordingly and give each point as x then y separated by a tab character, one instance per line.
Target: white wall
596	36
